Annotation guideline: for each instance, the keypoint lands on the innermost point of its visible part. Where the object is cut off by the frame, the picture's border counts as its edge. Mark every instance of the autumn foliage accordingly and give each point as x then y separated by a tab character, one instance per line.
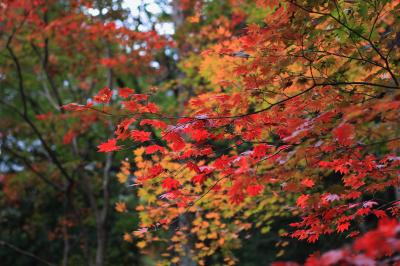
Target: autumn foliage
302	110
290	113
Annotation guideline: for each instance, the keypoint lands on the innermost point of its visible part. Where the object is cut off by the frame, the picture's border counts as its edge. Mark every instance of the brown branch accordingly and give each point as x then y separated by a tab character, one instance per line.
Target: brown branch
161	116
375	21
348	57
19	75
49	151
44	66
360	83
26	253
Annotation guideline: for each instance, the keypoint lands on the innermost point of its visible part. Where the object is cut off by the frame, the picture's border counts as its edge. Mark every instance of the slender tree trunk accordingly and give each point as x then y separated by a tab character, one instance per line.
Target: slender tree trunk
102	217
187	258
66	246
101	244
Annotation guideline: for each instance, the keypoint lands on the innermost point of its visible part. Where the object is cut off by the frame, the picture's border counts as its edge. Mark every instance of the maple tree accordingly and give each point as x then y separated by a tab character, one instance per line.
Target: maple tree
302	109
289	111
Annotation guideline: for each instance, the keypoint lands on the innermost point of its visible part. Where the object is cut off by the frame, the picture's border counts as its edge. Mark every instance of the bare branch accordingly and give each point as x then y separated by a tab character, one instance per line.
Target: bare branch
25	253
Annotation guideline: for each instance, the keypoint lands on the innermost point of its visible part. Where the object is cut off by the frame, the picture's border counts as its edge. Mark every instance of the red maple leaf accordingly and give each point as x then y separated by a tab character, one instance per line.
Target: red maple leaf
307	182
125	92
199	179
151	108
260	151
363	211
198	134
44	116
141	136
222	162
169	183
155	123
344	134
110	145
342	168
380	213
177	142
140	97
255	190
343	227
122	128
302	201
68	137
193	167
131	106
155	171
153	149
103	96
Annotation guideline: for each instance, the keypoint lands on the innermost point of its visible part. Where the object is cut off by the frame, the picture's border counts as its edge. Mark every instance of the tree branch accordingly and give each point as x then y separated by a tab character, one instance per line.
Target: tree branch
50	152
25	253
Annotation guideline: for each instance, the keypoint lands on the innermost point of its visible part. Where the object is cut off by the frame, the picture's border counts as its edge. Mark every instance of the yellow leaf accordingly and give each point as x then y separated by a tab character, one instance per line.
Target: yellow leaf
205	224
199	245
194	19
212	235
122	177
280	253
141	244
139	151
175	239
175	260
211	215
141	164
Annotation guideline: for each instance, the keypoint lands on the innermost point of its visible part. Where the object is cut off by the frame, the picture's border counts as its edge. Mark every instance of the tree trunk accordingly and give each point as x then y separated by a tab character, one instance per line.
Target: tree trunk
101	244
102	217
187	258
